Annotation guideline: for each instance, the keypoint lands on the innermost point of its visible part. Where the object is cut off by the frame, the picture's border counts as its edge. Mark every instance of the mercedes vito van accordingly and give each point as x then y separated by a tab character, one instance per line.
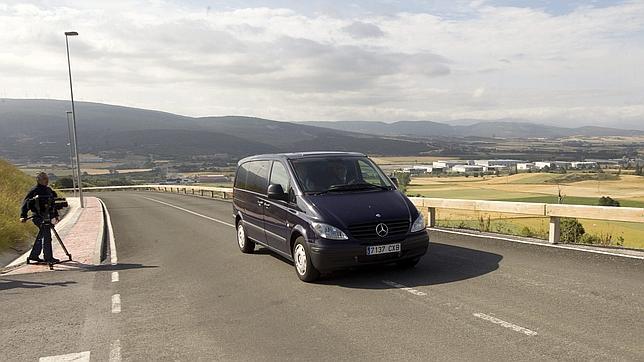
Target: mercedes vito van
325	211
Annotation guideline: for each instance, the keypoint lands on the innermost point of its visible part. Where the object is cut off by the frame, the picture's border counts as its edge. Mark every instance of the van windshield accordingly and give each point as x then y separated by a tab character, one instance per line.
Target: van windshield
339	174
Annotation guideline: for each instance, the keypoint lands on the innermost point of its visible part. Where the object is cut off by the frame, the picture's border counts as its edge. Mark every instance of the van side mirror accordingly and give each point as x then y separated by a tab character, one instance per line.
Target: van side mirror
394	180
276	192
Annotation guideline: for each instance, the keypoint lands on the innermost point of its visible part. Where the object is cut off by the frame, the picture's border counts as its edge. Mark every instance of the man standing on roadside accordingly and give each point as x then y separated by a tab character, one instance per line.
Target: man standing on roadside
43	240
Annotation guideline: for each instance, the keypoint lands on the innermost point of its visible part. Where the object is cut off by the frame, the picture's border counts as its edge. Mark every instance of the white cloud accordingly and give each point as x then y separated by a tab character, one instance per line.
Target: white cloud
583	66
478	92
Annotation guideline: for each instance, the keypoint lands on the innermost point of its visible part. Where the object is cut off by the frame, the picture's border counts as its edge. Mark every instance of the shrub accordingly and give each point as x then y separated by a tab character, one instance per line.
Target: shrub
65	182
608	201
526	231
571	230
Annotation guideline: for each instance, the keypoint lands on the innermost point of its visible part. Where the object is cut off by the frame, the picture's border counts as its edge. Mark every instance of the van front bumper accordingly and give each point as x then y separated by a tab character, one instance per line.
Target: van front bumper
352	253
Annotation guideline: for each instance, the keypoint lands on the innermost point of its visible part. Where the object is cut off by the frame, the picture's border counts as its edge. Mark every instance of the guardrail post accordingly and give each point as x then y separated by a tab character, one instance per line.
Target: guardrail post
431	217
193	191
555	230
223	195
212	194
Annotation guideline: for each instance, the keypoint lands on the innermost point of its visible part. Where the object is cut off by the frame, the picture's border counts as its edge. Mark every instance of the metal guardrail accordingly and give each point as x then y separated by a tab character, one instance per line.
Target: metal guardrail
205	191
428	206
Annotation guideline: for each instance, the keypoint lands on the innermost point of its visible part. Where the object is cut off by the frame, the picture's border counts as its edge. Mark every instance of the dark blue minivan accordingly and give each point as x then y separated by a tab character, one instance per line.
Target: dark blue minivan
325	211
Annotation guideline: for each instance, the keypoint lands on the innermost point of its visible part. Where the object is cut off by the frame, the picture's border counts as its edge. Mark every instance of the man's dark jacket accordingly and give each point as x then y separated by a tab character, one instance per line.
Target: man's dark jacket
39	190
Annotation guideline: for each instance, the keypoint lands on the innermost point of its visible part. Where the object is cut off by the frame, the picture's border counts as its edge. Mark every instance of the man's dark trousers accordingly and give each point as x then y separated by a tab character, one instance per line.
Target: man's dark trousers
43	241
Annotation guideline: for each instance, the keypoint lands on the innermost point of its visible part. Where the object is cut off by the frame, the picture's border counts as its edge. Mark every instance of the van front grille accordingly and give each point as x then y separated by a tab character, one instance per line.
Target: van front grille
367	231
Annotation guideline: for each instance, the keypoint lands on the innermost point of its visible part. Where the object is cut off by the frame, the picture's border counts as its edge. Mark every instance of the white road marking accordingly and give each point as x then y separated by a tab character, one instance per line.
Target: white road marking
115	351
115	277
191	212
116	303
110	231
505	324
557	246
405	288
78	357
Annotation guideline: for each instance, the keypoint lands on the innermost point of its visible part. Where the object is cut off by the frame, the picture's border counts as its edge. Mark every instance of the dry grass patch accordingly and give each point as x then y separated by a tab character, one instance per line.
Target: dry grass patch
14	184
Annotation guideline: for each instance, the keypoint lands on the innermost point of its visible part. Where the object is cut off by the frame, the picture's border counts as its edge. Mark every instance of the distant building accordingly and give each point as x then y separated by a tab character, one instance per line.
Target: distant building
584	165
418	169
565	165
539	165
495	168
468	168
607	163
448	164
507	163
526	166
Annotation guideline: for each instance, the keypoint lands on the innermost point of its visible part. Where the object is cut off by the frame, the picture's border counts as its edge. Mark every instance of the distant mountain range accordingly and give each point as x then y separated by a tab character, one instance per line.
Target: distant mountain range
472	128
34	128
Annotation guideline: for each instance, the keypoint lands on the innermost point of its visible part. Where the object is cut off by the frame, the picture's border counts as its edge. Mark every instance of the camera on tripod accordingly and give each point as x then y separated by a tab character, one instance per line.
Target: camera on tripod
44	206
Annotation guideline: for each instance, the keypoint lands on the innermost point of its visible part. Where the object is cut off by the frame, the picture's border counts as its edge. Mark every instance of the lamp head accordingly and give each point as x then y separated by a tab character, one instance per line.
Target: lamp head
71	33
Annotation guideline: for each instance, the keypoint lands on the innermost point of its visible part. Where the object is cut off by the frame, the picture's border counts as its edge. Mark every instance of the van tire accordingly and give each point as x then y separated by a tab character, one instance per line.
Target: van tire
407	263
245	244
302	262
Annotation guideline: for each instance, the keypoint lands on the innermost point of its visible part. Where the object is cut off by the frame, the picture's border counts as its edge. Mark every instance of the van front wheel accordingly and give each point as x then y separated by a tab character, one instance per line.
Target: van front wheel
245	245
303	265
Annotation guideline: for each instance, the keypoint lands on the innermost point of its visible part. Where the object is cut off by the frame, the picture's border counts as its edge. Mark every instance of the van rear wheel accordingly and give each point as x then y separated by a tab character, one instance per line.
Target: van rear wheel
303	266
245	245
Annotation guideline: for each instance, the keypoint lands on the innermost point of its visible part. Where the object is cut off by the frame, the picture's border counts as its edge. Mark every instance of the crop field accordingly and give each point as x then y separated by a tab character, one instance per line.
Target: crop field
536	187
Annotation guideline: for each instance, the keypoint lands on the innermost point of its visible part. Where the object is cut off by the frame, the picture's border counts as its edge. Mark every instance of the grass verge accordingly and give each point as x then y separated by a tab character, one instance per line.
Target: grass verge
14	184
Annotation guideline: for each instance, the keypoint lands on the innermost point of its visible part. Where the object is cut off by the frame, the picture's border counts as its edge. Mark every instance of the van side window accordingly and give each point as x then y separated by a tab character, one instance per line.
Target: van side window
368	173
240	177
279	175
257	179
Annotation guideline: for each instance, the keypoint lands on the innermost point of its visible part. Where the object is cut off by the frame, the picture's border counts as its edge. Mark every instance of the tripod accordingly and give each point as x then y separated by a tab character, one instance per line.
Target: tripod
41	231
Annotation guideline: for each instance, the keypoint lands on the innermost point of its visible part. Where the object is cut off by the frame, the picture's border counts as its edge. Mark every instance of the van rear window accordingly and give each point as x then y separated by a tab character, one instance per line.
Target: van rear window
253	176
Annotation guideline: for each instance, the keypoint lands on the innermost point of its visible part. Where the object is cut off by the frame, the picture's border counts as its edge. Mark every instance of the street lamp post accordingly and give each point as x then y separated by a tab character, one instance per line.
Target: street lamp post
71	91
71	149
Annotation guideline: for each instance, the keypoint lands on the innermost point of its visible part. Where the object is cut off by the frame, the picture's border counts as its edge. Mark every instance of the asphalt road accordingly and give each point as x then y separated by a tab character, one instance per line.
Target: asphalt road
187	293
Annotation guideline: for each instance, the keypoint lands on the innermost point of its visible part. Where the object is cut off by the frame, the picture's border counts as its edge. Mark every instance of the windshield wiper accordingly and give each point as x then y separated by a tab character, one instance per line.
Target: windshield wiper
352	187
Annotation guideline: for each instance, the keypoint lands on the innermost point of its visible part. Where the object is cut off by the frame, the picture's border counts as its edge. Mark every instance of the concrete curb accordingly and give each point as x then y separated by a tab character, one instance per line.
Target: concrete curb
108	242
99	247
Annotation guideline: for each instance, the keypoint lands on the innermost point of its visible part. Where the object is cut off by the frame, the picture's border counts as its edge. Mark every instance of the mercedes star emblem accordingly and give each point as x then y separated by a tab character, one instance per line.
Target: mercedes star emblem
382	230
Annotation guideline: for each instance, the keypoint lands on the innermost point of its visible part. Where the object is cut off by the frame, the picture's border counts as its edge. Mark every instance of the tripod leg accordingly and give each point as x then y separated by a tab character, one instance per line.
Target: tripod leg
60	241
35	241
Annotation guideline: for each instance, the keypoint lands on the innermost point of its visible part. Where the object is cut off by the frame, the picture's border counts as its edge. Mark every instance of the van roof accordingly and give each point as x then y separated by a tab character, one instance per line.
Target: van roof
296	155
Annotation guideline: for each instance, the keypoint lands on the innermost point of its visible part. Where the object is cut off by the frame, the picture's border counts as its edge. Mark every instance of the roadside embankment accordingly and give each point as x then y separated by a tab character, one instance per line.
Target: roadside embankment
14	184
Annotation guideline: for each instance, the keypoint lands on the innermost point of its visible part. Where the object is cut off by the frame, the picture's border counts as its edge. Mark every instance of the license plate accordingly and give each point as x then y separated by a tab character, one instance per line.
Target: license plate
383	249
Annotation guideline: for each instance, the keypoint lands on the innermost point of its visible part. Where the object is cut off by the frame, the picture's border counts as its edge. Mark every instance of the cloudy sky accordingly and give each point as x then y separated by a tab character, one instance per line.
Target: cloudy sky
564	62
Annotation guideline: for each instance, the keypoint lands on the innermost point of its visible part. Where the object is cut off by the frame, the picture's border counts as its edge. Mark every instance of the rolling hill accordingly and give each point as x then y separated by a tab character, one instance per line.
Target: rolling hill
503	129
34	128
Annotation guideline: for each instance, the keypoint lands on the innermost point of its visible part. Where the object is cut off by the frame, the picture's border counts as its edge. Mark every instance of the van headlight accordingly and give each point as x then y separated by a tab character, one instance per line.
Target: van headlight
419	224
329	232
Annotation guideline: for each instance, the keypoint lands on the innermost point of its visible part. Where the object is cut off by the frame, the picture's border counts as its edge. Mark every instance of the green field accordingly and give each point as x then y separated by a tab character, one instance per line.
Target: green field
537	188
